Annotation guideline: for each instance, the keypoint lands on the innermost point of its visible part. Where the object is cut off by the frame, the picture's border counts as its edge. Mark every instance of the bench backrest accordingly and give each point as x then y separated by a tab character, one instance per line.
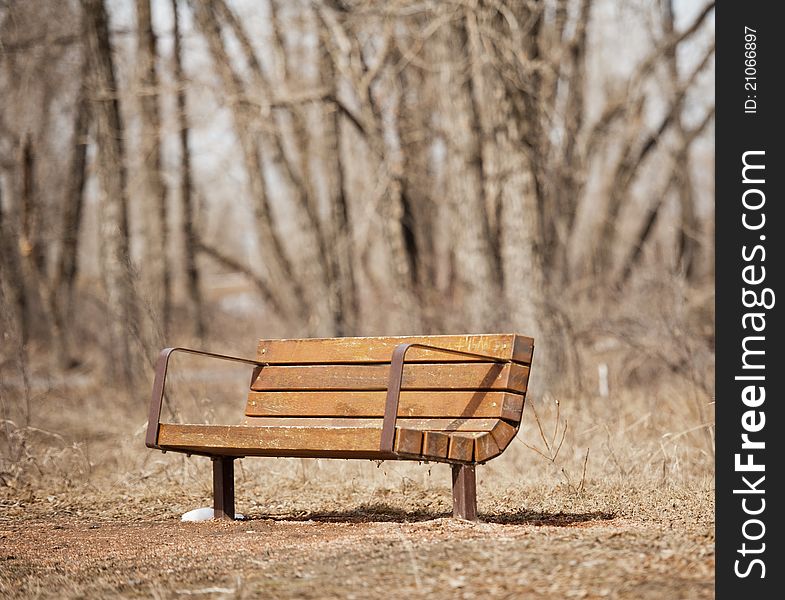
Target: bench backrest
452	407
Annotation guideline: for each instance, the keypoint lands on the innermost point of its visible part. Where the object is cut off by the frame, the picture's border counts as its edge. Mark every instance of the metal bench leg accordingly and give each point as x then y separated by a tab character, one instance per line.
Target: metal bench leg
464	492
223	487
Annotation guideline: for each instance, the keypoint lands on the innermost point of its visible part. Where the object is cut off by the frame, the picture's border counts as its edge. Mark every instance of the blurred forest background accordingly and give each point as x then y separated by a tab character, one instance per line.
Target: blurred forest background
207	173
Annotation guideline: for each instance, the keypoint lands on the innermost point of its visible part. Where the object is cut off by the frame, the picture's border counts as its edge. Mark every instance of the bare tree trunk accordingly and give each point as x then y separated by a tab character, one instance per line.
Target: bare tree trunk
524	282
688	248
196	308
419	219
31	241
301	137
289	296
402	252
31	246
571	162
531	125
156	274
397	229
481	129
304	147
527	220
343	287
61	299
635	150
476	268
11	271
416	107
396	212
14	320
294	170
116	266
348	60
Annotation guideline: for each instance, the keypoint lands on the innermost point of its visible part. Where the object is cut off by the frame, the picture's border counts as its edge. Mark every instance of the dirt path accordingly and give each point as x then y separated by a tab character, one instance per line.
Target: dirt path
361	553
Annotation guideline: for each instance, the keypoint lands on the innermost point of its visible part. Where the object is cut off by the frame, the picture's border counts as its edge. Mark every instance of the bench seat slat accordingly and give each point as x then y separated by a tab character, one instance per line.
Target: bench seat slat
485	448
323	442
435	444
503	433
379	349
457	376
313	440
430	404
458	424
408	441
462	445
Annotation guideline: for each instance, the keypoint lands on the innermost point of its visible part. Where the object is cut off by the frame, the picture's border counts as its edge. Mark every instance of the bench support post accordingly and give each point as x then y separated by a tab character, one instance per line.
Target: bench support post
464	492
223	487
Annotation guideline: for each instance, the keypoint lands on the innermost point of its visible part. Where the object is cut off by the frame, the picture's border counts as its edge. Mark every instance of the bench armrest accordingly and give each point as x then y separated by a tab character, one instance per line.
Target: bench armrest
161	365
394	386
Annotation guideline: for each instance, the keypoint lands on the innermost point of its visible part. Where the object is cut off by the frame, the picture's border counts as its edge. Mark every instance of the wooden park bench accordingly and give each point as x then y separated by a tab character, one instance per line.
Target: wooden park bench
457	400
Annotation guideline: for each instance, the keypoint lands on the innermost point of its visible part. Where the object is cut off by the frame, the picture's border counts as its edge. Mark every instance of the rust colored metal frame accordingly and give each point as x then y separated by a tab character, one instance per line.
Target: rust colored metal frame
396	379
161	366
464	492
223	487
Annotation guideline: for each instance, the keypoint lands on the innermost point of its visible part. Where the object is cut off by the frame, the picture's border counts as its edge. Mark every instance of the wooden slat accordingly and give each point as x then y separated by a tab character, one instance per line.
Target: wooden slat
462	446
459	424
485	448
511	377
333	442
328	442
408	441
505	405
379	349
247	439
503	433
512	407
435	444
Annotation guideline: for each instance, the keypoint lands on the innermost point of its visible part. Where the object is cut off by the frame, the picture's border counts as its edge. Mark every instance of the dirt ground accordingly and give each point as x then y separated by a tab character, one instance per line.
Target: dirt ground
530	543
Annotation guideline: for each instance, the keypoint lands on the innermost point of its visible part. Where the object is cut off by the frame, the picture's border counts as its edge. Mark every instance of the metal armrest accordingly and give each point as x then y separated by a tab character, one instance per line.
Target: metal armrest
161	365
394	386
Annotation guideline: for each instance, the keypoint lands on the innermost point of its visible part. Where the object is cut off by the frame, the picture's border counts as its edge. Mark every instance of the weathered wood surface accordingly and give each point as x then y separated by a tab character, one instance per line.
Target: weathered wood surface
503	433
486	448
239	440
458	424
431	404
464	492
462	445
465	446
379	349
435	444
310	439
457	376
408	441
327	442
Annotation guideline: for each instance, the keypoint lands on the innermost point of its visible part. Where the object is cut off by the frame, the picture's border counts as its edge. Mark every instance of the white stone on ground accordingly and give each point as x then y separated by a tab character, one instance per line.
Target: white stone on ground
204	514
